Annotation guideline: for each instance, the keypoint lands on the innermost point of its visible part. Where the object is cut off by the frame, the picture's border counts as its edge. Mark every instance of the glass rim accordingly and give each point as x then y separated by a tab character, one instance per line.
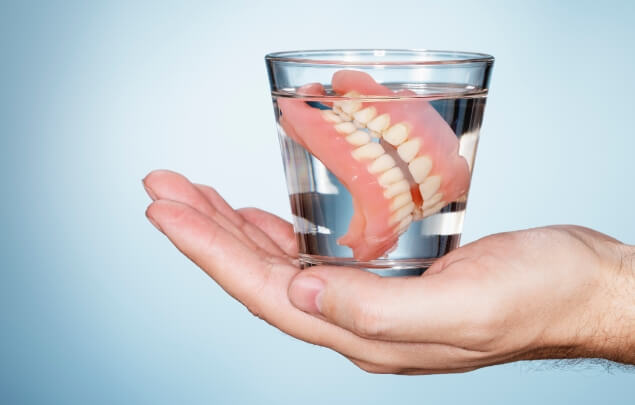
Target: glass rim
303	57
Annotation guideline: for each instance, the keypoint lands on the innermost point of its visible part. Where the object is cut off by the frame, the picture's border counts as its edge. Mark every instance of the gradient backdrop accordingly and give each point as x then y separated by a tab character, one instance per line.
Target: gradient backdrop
97	307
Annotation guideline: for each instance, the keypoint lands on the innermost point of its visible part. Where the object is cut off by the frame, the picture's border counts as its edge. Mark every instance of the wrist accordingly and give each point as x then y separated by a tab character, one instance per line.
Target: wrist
613	335
602	323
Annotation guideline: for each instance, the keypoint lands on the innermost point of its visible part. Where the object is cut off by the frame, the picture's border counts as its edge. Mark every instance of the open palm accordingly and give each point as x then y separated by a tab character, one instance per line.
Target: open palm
528	294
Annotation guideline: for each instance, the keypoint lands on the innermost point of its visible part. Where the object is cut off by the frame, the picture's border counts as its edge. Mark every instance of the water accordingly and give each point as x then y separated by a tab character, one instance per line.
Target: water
322	206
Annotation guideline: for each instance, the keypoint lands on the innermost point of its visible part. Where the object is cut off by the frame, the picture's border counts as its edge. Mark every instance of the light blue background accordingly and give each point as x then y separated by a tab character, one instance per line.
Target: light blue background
98	307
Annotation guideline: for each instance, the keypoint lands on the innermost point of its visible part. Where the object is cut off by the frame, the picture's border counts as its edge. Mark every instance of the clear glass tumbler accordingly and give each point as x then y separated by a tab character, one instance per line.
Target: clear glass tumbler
378	149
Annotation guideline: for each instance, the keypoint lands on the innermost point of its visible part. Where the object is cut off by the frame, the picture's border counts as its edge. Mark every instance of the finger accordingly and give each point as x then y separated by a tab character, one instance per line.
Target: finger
254	232
167	185
405	309
261	285
277	228
249	277
235	266
218	202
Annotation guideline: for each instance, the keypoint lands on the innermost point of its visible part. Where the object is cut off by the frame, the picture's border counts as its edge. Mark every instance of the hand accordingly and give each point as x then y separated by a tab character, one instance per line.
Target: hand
555	292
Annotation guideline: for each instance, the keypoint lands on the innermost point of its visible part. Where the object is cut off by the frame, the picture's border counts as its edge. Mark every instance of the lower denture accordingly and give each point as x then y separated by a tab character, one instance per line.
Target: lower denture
411	173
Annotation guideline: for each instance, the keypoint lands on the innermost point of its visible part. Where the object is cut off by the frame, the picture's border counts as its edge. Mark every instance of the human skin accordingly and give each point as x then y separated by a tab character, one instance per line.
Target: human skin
552	292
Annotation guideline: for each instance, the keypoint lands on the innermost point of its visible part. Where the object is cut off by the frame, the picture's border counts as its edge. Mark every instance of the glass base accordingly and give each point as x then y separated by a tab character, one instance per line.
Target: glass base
382	267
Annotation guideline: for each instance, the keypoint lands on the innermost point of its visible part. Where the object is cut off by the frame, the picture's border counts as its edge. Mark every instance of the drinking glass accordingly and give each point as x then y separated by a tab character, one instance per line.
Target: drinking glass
378	148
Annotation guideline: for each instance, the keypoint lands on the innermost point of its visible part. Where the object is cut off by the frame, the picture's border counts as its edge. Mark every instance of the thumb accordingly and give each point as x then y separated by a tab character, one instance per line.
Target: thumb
396	308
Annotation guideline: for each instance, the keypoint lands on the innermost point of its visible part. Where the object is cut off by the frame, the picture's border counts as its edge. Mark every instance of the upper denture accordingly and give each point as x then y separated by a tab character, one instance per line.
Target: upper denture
421	137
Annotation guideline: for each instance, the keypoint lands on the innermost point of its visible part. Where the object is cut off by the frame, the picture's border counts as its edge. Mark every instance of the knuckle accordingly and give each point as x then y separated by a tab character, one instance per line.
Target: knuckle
166	209
211	236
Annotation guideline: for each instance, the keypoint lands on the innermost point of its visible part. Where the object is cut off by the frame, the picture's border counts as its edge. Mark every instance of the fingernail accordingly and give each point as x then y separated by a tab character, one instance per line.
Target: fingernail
153	222
149	191
305	294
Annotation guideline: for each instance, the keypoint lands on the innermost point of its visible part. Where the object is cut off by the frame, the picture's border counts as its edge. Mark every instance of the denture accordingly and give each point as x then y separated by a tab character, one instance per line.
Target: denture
398	158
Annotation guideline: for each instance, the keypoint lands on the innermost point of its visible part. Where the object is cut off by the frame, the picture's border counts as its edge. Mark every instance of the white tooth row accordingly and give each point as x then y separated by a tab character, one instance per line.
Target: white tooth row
407	149
349	118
